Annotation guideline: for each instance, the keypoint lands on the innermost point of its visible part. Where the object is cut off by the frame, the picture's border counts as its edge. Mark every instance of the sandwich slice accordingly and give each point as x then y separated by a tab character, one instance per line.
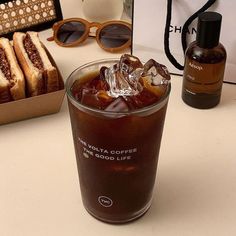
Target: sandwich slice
40	74
12	82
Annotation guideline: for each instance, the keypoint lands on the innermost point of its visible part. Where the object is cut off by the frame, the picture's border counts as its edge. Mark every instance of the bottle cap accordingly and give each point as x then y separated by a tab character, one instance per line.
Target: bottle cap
208	29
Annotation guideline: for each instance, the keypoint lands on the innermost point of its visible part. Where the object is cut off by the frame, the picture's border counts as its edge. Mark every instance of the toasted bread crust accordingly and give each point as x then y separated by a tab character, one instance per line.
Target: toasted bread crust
52	80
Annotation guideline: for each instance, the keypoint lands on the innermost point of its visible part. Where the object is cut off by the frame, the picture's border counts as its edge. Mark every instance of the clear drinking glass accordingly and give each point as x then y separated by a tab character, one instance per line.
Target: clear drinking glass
116	153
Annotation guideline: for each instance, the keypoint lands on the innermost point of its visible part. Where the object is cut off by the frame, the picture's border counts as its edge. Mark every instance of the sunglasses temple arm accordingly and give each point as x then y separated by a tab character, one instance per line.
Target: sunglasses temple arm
50	39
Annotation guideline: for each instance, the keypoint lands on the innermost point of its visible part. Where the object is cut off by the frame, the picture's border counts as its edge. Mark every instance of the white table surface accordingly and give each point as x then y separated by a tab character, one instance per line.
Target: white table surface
195	190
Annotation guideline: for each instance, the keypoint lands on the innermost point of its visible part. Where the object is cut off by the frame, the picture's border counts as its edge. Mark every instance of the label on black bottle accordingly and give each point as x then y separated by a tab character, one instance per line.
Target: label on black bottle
203	78
202	84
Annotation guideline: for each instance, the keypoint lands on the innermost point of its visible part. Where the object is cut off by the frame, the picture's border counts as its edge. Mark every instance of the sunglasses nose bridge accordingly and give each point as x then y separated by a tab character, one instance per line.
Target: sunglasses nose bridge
94	24
93	27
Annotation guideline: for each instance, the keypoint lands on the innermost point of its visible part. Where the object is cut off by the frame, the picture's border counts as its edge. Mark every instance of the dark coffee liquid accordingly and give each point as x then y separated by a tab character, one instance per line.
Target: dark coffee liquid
116	157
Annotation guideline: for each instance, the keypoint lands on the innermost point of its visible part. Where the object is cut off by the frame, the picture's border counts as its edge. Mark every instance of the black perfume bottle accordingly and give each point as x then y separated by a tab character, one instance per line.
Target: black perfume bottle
205	61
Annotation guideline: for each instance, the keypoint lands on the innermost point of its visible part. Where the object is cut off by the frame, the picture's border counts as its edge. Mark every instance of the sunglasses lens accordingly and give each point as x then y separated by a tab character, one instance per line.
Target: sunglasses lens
115	35
70	32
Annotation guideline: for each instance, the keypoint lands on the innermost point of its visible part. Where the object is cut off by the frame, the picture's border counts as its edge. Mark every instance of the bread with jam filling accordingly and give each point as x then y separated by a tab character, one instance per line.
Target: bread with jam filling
12	82
41	75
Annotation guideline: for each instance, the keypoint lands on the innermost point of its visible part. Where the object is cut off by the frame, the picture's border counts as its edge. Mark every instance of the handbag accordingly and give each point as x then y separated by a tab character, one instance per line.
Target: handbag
162	30
24	15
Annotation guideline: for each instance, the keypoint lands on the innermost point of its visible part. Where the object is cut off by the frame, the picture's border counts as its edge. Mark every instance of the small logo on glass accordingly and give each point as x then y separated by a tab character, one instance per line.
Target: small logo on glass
105	201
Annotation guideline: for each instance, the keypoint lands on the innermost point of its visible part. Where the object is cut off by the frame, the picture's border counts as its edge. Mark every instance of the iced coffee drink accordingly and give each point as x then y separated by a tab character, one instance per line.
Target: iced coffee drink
117	110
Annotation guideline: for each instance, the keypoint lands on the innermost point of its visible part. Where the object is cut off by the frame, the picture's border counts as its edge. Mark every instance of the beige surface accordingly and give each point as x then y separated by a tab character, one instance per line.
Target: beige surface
196	182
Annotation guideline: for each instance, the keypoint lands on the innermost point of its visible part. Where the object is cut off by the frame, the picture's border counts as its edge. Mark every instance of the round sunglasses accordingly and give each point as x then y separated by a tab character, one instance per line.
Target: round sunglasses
112	36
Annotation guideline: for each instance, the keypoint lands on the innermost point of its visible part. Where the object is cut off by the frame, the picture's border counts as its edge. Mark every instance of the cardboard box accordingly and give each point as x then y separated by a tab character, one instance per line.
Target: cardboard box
31	107
44	104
